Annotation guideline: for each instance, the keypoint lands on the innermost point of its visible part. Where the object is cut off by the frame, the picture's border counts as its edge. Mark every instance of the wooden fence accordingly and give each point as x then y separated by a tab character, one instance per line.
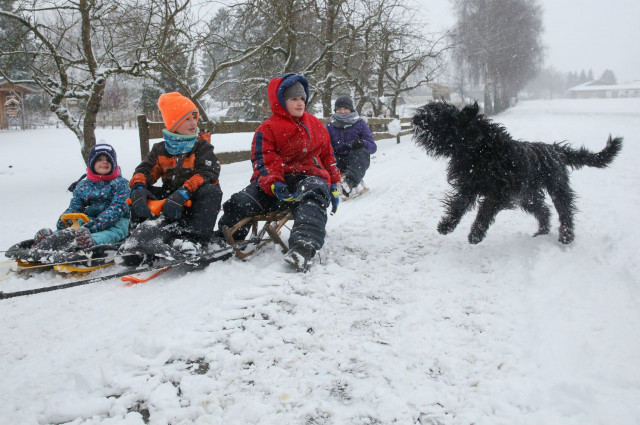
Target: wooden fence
153	130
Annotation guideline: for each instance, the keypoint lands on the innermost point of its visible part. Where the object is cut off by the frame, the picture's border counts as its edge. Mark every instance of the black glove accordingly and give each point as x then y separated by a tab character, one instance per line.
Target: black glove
357	144
174	204
139	196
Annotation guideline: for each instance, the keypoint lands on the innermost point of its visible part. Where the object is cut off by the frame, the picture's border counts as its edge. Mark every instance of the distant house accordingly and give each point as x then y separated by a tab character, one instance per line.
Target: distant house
11	96
598	89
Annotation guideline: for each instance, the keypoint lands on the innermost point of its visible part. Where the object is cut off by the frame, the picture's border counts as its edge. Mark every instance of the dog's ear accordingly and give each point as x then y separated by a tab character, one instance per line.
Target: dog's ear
469	112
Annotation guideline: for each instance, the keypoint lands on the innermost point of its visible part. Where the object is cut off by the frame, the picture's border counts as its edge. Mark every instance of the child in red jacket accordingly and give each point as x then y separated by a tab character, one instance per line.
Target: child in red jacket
293	167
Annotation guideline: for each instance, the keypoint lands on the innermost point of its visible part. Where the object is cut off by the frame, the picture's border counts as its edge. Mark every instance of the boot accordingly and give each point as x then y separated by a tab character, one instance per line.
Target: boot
300	256
41	235
59	241
83	238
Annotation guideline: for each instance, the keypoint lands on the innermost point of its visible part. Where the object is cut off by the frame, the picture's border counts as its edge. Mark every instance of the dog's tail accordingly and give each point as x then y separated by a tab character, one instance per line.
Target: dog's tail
584	157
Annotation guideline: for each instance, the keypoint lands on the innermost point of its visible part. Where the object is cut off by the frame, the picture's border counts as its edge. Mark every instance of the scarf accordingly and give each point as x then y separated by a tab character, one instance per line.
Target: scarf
101	177
344	120
177	144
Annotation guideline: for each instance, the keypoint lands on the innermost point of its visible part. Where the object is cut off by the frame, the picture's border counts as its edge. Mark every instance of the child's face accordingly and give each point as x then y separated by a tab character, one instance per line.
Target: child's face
295	106
343	111
188	126
102	165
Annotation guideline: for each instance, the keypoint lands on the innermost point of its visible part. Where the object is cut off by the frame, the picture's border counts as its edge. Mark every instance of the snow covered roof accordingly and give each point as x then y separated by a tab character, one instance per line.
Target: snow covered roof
27	87
590	86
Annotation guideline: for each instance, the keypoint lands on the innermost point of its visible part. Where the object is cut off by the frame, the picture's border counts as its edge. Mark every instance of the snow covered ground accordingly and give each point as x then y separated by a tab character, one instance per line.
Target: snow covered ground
396	324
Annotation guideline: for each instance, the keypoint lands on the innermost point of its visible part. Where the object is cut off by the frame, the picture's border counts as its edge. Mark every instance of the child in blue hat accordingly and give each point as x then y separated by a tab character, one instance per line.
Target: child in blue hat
102	195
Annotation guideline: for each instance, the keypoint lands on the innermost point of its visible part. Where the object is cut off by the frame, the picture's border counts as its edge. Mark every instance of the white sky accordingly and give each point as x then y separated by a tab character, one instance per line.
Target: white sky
589	34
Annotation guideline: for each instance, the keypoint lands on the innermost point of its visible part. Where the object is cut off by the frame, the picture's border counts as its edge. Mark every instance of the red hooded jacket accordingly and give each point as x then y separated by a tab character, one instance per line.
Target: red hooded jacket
284	144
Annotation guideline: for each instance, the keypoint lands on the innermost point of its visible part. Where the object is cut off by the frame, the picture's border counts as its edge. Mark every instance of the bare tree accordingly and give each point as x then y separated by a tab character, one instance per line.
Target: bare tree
73	51
308	33
498	43
194	54
390	56
367	48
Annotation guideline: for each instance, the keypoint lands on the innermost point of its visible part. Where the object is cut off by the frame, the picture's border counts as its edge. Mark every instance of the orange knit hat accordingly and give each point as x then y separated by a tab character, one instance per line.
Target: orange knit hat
175	109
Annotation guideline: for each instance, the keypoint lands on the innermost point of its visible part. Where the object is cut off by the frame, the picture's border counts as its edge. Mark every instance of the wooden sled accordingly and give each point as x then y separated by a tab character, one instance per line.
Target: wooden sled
360	189
260	236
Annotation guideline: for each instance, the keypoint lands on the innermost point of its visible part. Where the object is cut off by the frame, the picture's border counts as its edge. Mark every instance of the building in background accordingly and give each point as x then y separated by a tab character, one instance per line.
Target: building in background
12	103
598	89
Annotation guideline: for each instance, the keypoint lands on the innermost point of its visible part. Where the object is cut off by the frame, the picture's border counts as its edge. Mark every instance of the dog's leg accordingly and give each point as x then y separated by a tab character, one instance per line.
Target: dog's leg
536	206
456	206
563	199
487	211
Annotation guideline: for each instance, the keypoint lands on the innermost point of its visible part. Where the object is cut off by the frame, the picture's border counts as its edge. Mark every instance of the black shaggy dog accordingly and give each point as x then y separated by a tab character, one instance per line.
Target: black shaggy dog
486	164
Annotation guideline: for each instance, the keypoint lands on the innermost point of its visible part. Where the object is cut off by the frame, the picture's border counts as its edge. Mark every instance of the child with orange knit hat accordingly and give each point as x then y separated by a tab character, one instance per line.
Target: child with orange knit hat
188	169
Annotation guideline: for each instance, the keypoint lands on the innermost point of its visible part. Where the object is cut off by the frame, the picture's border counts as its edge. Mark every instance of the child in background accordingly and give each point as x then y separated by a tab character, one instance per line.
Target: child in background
352	144
102	196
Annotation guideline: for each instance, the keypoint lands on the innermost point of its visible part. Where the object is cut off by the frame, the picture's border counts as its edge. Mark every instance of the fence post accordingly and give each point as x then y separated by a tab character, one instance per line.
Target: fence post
143	132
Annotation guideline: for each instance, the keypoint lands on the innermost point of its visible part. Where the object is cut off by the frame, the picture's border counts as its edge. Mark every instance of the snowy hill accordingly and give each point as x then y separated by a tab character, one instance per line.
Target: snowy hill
396	324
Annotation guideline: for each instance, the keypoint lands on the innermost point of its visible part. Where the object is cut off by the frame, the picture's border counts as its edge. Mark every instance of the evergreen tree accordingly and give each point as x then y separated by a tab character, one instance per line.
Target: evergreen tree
608	77
148	101
583	77
13	39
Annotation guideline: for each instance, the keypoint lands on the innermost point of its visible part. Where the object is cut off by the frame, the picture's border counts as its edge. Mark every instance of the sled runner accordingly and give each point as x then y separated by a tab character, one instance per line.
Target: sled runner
133	275
361	189
259	236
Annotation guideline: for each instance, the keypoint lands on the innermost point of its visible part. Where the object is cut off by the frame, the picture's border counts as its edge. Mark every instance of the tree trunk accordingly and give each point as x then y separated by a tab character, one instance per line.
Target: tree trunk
327	91
90	118
488	103
488	87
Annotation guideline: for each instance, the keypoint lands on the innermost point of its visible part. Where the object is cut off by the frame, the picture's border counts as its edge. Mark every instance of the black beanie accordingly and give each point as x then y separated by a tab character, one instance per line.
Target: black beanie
294	90
344	102
103	149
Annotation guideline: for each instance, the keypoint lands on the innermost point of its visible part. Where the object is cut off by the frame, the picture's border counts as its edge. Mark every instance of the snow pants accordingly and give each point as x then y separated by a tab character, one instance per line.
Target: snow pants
113	234
354	165
309	212
199	219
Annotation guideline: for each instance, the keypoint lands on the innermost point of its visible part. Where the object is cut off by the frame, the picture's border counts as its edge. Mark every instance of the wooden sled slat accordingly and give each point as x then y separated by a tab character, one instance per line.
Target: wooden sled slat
260	236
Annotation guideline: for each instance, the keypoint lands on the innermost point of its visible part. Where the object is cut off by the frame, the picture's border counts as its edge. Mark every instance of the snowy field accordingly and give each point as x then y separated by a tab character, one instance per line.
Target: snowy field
396	324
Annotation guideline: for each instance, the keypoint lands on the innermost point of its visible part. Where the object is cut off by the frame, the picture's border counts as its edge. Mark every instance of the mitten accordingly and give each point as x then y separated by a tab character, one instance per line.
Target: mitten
41	235
357	144
204	135
173	205
335	198
61	224
282	192
83	238
93	210
139	196
92	226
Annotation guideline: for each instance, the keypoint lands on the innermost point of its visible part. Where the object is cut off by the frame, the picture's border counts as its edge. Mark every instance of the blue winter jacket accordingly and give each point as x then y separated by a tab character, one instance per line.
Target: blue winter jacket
105	202
341	138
